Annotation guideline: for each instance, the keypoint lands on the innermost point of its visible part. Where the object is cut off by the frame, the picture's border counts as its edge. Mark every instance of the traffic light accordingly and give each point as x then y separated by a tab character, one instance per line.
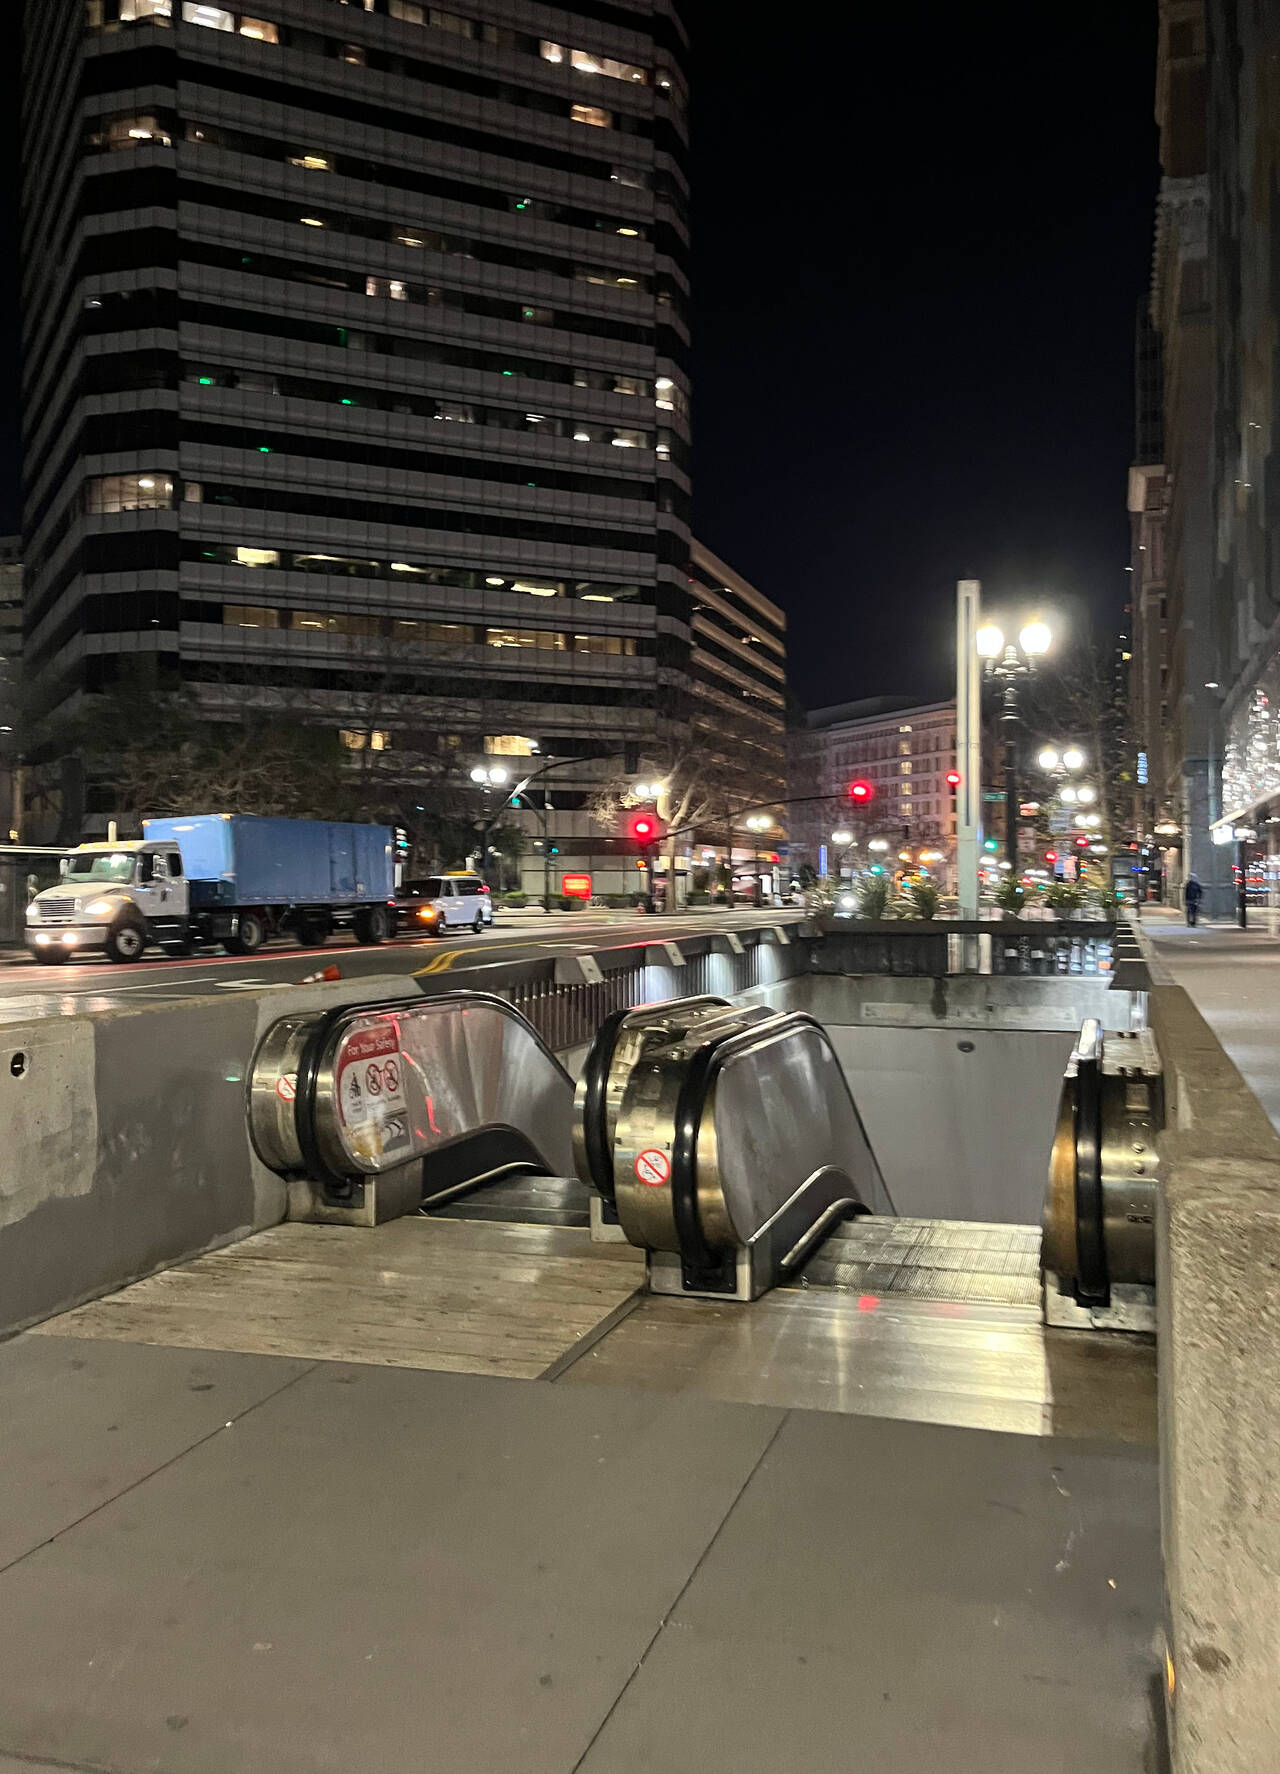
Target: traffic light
1082	843
954	780
991	843
1051	856
860	793
644	827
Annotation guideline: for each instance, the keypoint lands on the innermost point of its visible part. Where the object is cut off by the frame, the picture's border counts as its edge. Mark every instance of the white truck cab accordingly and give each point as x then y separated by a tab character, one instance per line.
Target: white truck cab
119	897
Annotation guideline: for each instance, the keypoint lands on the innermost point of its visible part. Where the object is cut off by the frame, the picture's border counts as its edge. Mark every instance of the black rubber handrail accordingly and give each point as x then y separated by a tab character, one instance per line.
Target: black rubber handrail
344	1184
596	1068
1093	1279
702	1267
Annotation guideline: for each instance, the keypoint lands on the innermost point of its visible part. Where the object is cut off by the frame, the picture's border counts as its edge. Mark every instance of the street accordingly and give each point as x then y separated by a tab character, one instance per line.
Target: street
29	989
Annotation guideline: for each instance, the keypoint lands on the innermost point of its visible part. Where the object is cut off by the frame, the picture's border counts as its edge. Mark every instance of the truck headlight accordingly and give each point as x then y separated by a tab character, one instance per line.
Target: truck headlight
96	907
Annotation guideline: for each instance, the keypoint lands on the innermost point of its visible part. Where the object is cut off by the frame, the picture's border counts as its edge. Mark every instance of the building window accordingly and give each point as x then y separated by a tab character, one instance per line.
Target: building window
544	640
361	739
450	21
595	115
510	745
630	440
129	492
133	10
904	729
130	132
538	316
905	769
257	557
259	28
408	11
249	616
459	411
312	162
194	13
904	746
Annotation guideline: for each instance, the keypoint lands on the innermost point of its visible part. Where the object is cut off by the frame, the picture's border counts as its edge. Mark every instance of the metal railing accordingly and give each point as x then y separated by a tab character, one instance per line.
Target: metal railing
935	950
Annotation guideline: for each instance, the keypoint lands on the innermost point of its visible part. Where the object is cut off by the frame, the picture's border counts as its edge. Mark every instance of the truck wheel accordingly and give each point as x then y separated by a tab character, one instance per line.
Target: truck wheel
125	942
373	924
313	931
250	936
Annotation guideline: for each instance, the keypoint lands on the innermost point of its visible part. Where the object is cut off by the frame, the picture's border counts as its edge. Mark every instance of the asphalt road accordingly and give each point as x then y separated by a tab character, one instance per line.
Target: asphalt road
29	989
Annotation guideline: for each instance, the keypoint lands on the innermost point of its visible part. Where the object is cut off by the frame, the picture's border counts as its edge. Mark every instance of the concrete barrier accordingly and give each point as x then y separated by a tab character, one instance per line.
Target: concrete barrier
124	1145
1218	1299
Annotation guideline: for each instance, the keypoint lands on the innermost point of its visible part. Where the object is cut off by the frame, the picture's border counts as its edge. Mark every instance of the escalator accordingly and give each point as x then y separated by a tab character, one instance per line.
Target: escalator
722	1140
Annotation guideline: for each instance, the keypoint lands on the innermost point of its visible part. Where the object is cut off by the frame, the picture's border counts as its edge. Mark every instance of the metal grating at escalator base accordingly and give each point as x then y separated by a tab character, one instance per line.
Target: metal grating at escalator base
930	1260
520	1200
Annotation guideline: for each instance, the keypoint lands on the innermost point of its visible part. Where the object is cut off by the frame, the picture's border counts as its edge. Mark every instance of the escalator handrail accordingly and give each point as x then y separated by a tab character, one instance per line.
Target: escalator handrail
1093	1280
326	1031
596	1068
704	1068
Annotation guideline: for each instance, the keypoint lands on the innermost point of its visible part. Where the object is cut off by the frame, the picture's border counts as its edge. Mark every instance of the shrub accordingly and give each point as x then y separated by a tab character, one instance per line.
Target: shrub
515	900
873	897
1064	896
1010	895
569	905
920	899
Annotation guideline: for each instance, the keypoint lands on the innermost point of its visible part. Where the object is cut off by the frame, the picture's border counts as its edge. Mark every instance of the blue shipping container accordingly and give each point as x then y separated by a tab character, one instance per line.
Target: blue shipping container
232	859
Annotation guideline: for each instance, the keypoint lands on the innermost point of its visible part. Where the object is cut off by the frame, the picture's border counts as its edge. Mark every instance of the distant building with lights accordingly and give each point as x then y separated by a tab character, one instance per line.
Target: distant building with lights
903	752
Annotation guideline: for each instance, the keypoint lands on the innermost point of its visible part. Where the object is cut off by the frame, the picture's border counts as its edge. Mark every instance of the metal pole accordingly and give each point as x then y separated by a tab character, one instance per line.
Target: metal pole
1009	724
1242	885
968	744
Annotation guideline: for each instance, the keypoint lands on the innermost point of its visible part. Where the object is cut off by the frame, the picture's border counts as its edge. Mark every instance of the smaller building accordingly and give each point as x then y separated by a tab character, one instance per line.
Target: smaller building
903	752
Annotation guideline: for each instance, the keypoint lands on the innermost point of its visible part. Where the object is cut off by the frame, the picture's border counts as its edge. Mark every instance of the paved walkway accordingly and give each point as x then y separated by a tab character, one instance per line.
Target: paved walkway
1233	977
248	1564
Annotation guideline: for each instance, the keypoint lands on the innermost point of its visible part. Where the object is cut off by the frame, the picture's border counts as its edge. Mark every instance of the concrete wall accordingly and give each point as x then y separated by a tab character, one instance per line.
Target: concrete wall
1218	1268
957	1080
125	1146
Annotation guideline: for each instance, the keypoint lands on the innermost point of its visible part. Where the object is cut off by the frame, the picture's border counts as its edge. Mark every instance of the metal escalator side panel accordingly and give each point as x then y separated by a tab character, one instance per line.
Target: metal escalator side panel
779	1112
381	1086
620	1041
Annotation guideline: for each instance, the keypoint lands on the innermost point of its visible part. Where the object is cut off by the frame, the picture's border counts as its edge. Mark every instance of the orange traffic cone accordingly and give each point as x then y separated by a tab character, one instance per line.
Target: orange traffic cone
332	971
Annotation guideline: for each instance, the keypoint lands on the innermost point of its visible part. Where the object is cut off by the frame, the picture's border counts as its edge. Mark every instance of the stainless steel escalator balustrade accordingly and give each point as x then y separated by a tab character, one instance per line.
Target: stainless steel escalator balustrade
726	1141
460	1086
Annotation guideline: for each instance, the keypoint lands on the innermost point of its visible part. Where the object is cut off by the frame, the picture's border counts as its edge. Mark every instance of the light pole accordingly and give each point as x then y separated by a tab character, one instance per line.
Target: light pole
488	777
757	823
1008	664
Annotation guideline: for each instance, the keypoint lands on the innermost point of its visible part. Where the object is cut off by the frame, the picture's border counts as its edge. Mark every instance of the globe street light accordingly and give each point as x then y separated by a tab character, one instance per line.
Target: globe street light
1007	663
488	777
757	823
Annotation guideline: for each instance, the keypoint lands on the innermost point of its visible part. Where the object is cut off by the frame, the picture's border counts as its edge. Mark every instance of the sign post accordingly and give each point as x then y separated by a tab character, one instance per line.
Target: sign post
968	744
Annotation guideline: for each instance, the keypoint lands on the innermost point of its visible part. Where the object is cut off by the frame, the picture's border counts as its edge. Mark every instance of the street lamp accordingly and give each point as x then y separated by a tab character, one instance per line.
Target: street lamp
488	777
1008	663
757	823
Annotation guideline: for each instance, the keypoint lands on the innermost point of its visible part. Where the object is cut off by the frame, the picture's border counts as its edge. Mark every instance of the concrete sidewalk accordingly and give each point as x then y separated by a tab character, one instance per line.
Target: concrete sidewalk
1233	978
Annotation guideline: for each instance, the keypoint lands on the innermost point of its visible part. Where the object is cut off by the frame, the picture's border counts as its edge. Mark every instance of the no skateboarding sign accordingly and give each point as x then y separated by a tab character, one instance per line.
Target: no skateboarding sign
371	1100
653	1168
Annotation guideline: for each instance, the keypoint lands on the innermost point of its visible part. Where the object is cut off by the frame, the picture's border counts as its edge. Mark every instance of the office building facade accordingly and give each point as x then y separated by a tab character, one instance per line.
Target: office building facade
357	373
903	753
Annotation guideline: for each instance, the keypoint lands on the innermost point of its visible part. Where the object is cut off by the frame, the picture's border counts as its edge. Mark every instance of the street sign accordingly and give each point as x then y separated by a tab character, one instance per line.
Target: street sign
993	794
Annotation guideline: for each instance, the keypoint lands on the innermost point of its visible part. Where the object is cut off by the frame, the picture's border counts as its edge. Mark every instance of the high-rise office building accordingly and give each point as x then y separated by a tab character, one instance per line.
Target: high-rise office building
356	369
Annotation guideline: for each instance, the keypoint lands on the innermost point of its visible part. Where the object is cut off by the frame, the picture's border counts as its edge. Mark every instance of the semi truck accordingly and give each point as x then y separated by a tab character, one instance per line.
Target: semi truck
217	878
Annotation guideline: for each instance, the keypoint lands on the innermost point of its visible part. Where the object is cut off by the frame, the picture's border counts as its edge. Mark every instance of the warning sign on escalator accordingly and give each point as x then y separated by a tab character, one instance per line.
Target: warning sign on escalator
371	1100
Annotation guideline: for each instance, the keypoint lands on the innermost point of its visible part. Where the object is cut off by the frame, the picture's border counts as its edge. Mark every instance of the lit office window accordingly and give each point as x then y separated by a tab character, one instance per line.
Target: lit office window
129	492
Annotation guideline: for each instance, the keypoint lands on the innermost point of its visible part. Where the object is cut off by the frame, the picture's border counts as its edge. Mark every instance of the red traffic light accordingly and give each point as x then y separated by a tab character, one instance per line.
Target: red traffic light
953	779
643	826
1082	843
861	792
1051	856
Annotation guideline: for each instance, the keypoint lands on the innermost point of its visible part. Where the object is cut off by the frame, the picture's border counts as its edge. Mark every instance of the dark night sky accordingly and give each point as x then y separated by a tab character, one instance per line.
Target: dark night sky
920	244
921	239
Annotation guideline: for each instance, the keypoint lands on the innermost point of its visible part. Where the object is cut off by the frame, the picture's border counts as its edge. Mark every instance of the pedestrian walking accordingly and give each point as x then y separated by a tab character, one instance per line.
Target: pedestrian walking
1192	894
